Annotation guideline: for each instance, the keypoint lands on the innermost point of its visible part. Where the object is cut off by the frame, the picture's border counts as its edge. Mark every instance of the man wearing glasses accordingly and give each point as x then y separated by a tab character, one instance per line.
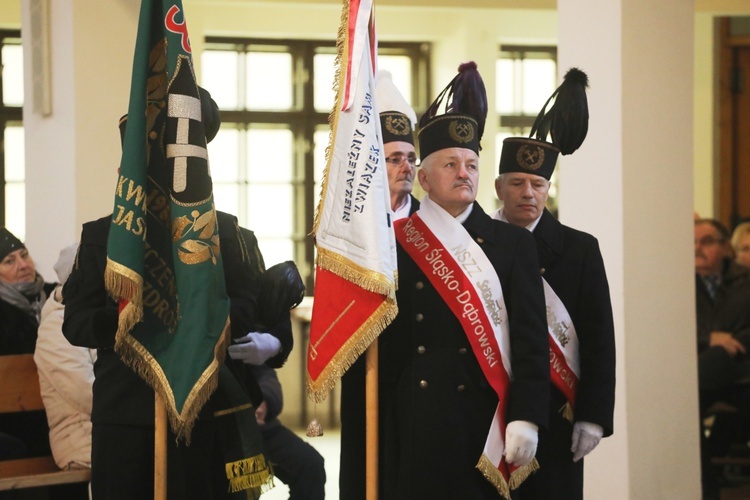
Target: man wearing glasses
397	120
722	299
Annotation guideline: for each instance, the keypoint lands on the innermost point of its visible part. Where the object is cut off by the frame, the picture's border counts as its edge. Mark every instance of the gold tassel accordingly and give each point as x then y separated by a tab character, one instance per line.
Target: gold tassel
567	412
314	429
490	472
248	473
519	475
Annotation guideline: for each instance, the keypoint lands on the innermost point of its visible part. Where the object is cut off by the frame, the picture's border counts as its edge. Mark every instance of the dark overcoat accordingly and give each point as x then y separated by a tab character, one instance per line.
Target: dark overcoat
572	264
435	404
18	328
123	404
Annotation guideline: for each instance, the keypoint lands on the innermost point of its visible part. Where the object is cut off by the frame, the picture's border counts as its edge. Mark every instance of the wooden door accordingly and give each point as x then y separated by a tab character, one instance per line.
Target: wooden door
733	182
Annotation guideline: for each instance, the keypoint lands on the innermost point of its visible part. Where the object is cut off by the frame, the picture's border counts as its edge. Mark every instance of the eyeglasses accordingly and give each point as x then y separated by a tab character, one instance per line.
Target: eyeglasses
399	159
708	241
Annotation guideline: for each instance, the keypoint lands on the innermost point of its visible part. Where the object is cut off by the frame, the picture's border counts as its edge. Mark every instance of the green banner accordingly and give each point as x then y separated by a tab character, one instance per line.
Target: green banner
163	263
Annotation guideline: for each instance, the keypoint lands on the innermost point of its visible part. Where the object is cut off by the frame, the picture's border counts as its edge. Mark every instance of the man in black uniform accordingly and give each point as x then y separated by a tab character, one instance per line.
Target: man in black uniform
123	403
577	296
463	368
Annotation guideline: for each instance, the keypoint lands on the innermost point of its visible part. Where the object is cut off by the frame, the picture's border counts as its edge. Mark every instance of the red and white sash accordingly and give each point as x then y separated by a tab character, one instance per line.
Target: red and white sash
468	284
564	366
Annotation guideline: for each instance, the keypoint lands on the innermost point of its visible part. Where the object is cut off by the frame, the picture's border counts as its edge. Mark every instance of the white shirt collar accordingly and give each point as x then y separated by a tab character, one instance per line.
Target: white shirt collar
499	214
402	211
461	218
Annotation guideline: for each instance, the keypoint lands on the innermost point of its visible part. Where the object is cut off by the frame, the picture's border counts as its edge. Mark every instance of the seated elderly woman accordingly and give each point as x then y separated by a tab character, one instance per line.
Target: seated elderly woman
22	295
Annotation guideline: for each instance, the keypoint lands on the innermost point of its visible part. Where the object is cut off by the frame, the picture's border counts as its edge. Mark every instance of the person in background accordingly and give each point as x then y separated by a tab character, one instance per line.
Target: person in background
294	461
741	243
23	291
397	121
579	311
722	298
280	289
66	376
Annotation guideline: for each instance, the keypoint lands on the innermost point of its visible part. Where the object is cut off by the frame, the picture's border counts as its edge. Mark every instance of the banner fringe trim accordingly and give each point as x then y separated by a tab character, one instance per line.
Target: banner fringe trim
366	334
249	473
140	360
342	43
354	273
519	475
494	476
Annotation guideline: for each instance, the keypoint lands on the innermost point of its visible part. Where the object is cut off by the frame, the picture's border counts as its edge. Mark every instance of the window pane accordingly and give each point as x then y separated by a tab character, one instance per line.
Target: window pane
400	68
15	209
539	77
504	86
271	210
14	154
322	137
12	75
270	154
223	155
276	250
323	83
226	198
219	71
269	81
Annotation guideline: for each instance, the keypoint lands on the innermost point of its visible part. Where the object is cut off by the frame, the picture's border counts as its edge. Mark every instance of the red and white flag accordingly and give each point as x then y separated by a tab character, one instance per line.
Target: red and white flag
355	275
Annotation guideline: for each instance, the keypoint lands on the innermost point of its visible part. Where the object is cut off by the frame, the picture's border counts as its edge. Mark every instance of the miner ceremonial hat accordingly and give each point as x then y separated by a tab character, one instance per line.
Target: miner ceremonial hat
8	243
462	123
566	122
397	118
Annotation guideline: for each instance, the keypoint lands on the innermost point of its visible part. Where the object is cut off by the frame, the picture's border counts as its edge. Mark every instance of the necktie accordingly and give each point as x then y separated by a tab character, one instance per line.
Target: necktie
712	284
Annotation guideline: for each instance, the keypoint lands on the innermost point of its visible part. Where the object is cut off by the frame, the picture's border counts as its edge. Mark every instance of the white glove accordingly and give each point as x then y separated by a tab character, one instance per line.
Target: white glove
255	348
585	438
521	438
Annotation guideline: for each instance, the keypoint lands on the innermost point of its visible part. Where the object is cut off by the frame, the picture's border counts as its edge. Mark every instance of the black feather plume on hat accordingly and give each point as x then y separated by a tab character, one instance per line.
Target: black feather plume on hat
465	95
567	121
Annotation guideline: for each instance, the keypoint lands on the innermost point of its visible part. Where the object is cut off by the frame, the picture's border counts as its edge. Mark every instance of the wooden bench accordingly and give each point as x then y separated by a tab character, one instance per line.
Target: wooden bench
19	392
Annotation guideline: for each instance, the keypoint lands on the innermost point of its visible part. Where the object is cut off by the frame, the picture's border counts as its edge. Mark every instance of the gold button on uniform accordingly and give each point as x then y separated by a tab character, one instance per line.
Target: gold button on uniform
421	349
423	384
460	387
419	285
462	350
419	317
480	240
541	270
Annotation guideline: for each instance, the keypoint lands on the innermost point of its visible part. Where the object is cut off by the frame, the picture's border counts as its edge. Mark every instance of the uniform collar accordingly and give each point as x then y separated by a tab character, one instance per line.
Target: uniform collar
550	231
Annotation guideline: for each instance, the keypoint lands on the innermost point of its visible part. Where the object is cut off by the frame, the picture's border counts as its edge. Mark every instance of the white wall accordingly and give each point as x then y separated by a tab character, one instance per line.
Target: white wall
72	155
631	186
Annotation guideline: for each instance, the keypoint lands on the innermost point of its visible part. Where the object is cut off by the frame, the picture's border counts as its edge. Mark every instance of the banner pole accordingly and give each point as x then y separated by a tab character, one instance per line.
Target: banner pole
160	448
371	410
